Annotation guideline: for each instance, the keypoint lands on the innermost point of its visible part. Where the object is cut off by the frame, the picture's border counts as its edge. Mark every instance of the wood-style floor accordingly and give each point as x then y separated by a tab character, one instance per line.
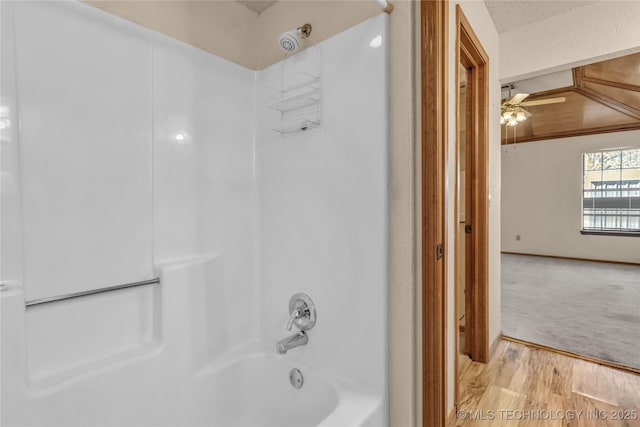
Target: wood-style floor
527	386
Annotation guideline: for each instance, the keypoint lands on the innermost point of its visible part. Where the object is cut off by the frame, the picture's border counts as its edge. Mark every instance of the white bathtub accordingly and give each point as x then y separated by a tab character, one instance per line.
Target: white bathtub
169	371
255	390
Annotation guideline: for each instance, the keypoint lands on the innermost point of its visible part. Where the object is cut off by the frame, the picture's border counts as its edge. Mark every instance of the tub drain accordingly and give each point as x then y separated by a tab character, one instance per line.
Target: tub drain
295	376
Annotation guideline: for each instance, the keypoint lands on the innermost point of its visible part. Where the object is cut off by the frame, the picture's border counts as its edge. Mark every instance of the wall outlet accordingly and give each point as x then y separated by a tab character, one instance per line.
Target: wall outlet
518	237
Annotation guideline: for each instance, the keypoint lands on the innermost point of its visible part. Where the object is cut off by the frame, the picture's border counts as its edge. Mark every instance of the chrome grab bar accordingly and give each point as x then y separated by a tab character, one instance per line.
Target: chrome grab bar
91	292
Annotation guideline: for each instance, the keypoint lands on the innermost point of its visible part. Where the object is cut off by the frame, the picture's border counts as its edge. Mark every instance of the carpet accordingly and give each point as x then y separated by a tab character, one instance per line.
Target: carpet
588	308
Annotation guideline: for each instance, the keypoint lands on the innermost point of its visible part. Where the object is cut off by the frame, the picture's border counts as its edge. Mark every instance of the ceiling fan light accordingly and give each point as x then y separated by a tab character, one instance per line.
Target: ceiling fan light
512	122
520	116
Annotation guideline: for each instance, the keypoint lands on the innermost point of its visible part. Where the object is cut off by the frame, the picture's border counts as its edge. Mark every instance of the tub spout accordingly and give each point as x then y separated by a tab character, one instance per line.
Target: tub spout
295	340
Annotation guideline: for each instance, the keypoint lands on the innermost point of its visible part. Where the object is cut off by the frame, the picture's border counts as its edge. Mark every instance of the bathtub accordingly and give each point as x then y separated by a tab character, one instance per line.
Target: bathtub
173	374
255	390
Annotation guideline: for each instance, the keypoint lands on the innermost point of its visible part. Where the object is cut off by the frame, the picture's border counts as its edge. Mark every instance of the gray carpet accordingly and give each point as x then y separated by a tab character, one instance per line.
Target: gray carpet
588	308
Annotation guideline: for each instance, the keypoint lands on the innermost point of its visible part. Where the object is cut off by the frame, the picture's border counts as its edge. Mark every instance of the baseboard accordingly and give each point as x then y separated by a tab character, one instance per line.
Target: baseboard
608	364
573	259
494	345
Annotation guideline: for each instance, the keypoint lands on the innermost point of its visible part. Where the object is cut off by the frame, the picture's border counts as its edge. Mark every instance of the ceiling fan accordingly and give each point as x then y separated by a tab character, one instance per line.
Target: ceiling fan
512	110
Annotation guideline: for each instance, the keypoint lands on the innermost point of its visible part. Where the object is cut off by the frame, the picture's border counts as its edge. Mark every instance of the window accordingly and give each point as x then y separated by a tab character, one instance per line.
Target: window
611	192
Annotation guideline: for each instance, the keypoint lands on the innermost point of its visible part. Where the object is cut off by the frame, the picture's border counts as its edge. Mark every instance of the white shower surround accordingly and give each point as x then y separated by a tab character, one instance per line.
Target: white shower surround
242	218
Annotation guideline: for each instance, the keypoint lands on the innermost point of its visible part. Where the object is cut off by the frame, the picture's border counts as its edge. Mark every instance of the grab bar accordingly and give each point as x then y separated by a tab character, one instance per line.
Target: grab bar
91	292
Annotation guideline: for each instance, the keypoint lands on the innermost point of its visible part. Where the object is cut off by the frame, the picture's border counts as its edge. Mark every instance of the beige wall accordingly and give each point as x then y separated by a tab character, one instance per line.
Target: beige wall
404	153
223	28
541	199
229	30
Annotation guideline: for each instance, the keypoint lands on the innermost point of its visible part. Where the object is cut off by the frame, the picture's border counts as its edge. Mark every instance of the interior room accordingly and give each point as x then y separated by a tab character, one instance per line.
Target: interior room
318	213
569	248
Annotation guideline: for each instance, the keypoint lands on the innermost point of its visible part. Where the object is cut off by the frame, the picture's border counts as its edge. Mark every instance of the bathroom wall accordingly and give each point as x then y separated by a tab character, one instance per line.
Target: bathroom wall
542	199
404	173
11	225
404	170
143	147
324	207
81	234
226	205
327	18
204	189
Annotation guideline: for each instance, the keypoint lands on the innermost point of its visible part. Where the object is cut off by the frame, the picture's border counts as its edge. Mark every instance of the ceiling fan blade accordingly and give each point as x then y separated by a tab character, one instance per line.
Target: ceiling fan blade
518	98
526	113
544	101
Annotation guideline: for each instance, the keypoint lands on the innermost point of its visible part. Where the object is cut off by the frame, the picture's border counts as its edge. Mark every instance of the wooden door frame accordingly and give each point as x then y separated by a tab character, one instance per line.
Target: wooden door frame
434	85
471	55
434	17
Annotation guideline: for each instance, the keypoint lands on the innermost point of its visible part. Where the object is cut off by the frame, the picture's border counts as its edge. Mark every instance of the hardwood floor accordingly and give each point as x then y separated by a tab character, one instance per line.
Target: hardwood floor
526	386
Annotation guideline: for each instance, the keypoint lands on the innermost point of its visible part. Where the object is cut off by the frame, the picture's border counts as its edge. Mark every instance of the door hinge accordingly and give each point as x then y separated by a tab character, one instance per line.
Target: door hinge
467	228
439	251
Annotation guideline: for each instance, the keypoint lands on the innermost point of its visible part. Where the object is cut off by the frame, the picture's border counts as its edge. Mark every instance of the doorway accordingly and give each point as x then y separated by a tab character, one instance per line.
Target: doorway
471	230
463	199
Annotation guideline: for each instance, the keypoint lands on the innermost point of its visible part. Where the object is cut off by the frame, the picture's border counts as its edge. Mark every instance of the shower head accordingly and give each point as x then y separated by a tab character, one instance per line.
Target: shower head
290	40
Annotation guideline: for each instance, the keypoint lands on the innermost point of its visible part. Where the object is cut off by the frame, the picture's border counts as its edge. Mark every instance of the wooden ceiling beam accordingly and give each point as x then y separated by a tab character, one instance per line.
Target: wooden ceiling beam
600	89
578	132
618	85
609	102
527	129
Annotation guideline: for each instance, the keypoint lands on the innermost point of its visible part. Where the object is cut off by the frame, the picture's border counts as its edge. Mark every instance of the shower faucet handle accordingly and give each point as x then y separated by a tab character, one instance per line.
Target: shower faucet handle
295	314
303	312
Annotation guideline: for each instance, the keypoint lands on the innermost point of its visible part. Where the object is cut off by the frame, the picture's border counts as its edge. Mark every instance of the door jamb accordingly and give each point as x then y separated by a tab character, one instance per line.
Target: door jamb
471	54
434	105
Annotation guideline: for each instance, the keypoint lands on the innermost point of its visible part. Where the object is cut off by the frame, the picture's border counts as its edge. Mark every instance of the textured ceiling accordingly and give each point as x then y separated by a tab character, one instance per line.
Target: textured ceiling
511	14
258	6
